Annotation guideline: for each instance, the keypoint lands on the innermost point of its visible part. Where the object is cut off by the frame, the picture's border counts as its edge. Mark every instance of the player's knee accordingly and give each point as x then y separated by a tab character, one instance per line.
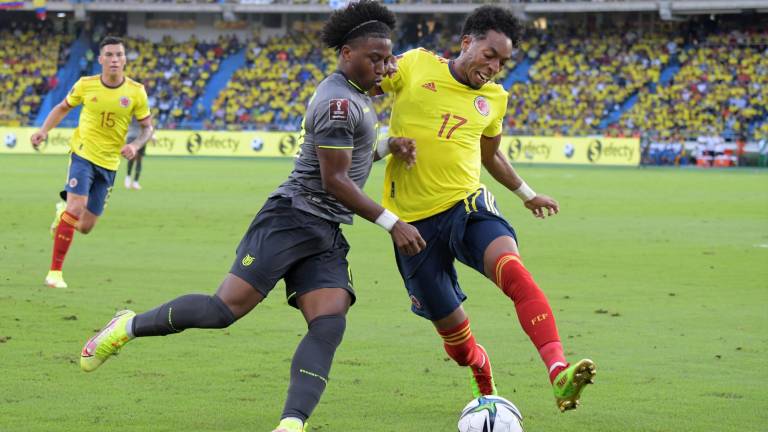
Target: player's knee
328	328
517	282
76	209
220	314
85	228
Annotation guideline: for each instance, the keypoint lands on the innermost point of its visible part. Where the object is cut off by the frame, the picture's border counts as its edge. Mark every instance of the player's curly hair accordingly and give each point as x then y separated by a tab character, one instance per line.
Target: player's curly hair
364	18
495	18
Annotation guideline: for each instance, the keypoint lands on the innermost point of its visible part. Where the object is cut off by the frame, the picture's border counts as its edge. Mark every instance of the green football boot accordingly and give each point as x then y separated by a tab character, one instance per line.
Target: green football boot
107	342
569	383
481	379
55	279
290	425
60	207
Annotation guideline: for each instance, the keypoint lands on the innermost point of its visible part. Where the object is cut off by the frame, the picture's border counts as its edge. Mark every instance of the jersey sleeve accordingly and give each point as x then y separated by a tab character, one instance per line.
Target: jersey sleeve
75	95
141	109
496	126
396	81
334	121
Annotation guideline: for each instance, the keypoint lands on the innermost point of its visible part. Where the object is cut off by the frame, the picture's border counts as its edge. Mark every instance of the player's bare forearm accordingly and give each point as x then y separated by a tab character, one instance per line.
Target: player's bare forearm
497	164
348	194
55	117
144	136
405	236
334	165
501	170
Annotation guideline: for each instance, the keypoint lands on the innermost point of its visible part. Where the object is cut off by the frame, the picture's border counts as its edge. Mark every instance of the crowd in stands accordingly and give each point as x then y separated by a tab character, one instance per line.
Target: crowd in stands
272	89
716	79
579	79
175	74
721	87
30	55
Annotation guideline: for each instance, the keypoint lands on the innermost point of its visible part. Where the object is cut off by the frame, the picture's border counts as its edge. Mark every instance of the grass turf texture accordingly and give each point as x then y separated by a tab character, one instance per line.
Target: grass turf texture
659	275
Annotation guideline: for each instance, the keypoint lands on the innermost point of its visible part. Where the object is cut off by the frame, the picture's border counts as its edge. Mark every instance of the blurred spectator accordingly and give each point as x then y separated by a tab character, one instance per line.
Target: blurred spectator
26	75
723	83
175	73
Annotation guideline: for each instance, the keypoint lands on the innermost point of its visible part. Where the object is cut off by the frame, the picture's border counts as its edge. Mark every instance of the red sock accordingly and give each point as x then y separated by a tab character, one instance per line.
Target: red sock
533	311
460	345
64	233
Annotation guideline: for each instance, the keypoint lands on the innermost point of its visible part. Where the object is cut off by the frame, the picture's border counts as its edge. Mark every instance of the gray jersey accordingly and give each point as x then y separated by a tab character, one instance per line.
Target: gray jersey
338	117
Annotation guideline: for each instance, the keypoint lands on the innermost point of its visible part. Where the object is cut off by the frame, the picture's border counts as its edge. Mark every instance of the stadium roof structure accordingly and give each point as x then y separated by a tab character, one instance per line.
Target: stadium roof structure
667	9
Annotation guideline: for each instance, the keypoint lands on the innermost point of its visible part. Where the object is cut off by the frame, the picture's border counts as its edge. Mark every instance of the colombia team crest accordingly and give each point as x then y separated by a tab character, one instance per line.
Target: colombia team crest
125	101
481	105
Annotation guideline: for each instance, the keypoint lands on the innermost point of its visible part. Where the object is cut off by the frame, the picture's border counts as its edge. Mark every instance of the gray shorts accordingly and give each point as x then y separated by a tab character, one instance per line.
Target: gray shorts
283	242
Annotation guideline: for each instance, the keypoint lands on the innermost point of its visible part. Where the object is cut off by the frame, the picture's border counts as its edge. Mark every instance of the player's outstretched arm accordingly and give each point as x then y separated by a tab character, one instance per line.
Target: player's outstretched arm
503	172
130	150
53	119
334	165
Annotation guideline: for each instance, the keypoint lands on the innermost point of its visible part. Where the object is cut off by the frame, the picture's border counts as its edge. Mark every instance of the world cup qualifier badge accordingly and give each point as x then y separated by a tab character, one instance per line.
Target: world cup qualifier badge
338	109
481	105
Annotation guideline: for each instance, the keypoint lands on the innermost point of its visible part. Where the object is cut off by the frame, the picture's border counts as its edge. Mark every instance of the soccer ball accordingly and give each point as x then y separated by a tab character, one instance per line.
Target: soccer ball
490	414
568	150
10	140
257	144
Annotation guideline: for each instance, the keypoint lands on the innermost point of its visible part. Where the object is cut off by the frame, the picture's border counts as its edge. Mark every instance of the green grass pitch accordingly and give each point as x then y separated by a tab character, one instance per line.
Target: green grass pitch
659	275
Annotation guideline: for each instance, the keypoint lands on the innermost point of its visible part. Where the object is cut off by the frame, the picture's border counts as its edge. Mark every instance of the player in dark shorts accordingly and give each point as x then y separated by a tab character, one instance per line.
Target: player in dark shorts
296	235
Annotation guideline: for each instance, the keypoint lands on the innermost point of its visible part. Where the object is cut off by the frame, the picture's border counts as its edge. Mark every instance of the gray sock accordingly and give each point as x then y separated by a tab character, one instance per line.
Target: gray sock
189	311
311	365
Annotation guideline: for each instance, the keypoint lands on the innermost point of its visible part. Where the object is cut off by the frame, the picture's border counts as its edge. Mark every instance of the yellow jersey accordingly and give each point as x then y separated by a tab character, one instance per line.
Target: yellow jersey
104	120
446	119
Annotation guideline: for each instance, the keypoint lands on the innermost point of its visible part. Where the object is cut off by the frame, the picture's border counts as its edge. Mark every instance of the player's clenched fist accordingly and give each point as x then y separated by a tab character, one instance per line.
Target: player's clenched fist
128	152
403	148
37	138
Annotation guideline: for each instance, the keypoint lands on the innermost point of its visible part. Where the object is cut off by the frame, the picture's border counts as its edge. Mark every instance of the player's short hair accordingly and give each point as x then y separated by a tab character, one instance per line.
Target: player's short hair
486	18
365	18
110	40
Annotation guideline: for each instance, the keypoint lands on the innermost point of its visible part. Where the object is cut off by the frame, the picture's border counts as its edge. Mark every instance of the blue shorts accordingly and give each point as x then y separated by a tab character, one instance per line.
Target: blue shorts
91	180
462	232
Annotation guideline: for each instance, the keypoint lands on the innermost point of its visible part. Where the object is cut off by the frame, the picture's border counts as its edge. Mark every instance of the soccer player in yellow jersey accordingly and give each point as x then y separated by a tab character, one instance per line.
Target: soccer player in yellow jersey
109	102
454	113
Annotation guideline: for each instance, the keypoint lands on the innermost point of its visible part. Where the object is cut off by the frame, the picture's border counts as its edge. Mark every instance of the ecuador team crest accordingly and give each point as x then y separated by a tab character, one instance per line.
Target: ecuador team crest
481	105
247	260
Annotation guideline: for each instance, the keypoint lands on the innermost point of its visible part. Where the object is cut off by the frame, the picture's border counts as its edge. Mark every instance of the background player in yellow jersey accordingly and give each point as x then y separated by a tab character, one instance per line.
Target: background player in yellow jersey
109	102
454	112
